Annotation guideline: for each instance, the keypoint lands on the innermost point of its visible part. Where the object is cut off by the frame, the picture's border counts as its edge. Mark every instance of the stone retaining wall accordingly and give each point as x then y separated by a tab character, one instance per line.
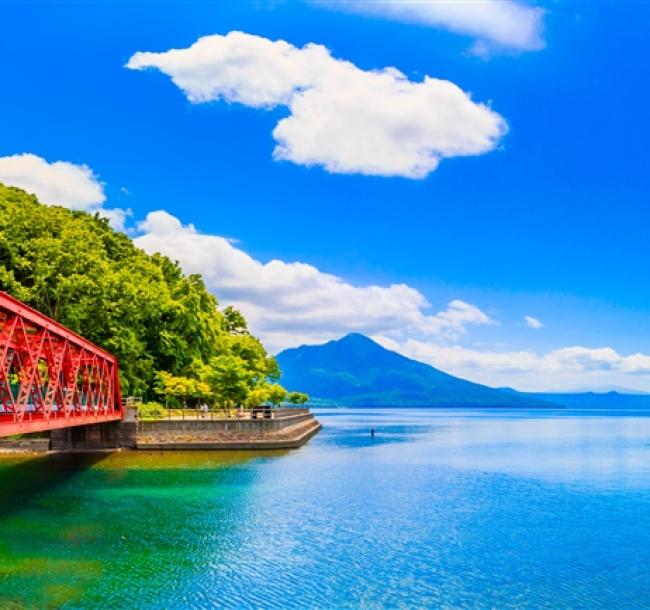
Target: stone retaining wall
111	435
289	428
166	427
25	444
290	438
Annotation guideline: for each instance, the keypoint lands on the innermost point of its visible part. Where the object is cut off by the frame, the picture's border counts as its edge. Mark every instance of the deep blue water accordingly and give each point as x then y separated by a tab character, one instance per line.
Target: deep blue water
454	509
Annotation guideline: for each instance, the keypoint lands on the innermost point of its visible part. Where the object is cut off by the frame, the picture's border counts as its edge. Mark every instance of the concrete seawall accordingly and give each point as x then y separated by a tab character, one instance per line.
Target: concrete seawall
290	438
279	433
194	426
112	435
287	429
25	444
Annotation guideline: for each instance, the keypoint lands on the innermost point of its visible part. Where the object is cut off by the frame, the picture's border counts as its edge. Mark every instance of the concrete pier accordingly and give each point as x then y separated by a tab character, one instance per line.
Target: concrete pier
287	429
111	435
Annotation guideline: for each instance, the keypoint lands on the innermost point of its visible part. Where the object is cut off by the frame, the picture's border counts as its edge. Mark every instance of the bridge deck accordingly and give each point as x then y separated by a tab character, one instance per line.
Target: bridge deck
10	426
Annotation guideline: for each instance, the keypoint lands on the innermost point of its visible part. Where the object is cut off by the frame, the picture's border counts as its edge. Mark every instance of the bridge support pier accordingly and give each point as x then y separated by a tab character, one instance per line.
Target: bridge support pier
110	435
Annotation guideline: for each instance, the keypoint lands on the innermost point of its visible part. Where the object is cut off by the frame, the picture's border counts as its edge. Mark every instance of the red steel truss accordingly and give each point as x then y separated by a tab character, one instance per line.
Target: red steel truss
51	377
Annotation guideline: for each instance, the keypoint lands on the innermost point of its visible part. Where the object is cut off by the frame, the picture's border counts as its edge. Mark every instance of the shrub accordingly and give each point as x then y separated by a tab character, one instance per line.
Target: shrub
151	410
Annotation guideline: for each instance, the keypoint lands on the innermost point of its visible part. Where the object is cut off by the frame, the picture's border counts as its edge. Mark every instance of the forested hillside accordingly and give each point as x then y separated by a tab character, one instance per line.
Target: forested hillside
164	327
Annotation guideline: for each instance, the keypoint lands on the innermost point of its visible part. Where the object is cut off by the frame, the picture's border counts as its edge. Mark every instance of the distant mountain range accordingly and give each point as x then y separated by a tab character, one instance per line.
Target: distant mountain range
357	372
590	400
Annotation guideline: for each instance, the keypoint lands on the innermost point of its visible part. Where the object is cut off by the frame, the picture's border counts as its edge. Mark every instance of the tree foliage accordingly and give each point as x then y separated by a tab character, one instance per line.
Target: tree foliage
298	398
277	394
181	387
164	327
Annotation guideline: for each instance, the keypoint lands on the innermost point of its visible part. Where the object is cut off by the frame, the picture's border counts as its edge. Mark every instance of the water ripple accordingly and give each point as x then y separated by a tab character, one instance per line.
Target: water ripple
441	509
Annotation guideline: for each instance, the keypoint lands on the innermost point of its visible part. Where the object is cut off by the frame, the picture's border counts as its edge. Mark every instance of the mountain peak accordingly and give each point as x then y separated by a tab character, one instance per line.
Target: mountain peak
356	371
355	339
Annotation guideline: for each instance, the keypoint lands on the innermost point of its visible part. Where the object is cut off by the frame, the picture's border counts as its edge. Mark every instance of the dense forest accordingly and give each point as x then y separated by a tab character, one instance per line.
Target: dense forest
164	327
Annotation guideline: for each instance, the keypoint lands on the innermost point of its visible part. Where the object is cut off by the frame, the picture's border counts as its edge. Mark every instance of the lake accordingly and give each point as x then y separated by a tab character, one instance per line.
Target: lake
442	508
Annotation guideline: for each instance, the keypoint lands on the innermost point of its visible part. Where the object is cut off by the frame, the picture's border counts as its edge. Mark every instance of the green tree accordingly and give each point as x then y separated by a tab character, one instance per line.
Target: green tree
234	322
277	394
74	267
229	379
257	396
298	398
183	388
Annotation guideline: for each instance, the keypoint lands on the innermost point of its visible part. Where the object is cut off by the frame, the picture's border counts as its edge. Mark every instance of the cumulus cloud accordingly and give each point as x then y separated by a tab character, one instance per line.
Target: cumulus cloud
563	369
288	303
60	183
494	24
117	217
343	118
532	322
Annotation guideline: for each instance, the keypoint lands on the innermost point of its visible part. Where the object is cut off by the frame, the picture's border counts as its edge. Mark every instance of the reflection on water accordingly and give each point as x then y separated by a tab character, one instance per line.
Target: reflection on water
441	508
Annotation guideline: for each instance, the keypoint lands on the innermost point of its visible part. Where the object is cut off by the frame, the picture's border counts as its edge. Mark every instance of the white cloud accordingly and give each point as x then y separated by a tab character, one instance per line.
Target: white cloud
117	217
495	24
343	118
532	322
288	304
292	303
565	368
59	183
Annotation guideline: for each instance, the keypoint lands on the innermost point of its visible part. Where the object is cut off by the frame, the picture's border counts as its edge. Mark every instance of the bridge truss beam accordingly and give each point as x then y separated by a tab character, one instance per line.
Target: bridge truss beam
51	377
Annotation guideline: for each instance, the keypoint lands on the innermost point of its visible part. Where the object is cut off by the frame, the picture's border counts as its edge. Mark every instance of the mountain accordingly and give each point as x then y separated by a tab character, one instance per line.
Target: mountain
355	371
593	400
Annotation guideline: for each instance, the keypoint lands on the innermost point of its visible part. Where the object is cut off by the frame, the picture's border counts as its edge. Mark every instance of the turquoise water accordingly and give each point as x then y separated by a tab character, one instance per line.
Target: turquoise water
455	509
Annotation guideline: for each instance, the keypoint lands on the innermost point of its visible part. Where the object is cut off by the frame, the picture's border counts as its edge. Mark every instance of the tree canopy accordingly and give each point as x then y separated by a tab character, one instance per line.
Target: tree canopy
164	327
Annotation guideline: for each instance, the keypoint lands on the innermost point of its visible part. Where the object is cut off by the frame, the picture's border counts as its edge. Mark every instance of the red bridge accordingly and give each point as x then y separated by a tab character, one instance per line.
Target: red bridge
51	377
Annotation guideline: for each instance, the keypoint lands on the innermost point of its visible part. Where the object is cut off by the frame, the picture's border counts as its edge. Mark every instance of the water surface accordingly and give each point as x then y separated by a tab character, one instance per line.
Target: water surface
460	509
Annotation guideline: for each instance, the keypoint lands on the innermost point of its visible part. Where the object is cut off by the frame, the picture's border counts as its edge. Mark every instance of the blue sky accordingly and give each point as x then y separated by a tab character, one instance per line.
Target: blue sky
549	221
